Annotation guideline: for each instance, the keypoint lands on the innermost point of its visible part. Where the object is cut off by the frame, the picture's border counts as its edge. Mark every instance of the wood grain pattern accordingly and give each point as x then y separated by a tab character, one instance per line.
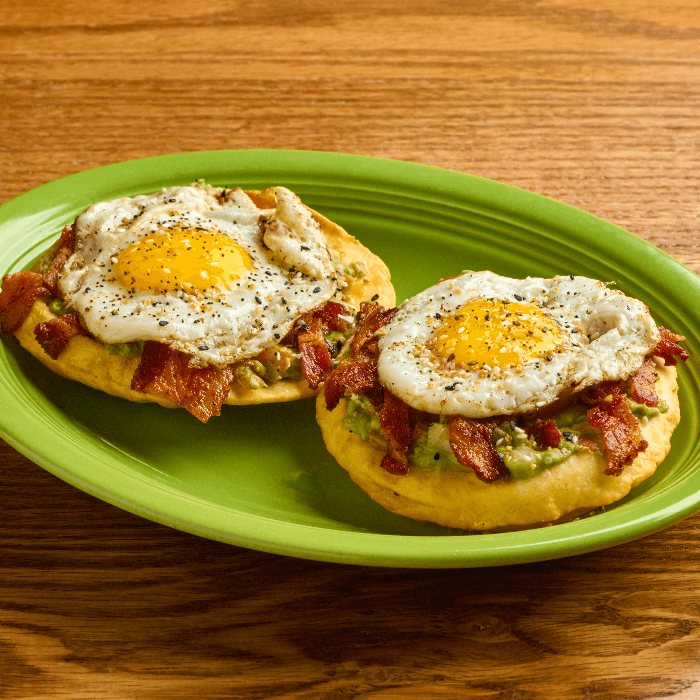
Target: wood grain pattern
592	103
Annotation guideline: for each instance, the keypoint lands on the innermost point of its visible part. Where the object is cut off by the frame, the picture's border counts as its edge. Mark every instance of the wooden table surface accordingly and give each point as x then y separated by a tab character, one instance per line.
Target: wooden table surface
594	103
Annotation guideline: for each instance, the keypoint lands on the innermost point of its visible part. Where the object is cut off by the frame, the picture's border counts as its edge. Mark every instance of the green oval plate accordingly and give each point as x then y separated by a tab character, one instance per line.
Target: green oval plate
260	476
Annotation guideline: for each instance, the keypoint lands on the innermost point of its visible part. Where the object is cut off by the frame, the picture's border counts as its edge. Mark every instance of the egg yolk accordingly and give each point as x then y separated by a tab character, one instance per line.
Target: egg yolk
182	259
497	333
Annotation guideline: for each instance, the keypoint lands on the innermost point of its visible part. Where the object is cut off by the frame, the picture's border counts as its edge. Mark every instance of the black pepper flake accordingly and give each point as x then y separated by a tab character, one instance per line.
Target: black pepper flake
451	357
473	362
163	323
567	435
438	316
517	323
512	425
204	347
549	358
571	277
305	247
436	456
258	300
518	297
317	290
375	297
277	336
451	387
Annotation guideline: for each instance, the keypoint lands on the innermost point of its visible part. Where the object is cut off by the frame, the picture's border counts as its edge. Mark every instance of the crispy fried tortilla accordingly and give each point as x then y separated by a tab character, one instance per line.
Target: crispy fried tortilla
460	500
86	360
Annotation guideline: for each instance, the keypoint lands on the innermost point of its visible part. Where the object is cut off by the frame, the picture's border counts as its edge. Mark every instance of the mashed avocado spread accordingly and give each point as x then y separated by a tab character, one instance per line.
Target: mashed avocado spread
431	451
125	349
360	417
519	452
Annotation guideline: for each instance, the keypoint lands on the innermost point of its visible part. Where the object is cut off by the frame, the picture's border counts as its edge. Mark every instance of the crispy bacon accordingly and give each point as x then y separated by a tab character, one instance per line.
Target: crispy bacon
308	335
643	384
330	314
371	318
21	289
396	428
598	392
351	376
65	250
470	440
316	361
622	435
546	433
166	372
154	358
668	347
53	335
358	373
19	292
393	465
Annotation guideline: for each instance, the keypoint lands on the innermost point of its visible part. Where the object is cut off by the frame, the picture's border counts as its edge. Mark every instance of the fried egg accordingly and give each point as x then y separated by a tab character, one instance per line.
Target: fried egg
482	345
199	269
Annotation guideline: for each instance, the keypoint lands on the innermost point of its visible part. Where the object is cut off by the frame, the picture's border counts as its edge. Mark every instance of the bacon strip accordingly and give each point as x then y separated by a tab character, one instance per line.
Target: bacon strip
668	347
351	376
358	373
622	436
53	335
643	384
154	358
371	318
65	250
470	440
596	393
166	372
330	314
19	292
316	361
546	433
396	427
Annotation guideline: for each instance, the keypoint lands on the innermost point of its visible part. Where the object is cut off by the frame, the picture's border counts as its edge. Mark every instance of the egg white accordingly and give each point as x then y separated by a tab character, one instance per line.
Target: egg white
607	333
291	273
